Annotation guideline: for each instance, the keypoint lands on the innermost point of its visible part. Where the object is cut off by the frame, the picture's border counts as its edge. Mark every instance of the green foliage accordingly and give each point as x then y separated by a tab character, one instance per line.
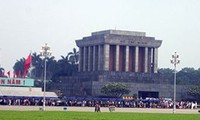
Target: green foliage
166	73
63	115
115	89
195	92
186	76
1	71
65	66
38	66
19	66
73	56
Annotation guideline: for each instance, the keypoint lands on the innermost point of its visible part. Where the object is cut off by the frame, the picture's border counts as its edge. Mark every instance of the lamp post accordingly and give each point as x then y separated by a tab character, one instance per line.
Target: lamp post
175	61
45	51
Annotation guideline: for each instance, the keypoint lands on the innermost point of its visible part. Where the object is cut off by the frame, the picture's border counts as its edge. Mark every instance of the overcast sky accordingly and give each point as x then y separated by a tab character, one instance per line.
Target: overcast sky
26	25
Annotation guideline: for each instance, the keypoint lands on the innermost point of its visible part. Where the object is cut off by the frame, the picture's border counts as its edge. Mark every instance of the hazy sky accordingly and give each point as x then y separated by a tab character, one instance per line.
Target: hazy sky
26	25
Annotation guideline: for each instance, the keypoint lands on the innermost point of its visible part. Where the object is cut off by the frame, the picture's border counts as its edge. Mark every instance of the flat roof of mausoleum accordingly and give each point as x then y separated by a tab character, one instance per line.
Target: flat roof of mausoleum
119	37
119	32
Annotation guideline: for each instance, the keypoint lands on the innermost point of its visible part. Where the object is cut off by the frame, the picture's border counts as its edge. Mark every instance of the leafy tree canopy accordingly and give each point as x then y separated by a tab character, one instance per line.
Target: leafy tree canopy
65	66
115	89
195	92
186	76
1	72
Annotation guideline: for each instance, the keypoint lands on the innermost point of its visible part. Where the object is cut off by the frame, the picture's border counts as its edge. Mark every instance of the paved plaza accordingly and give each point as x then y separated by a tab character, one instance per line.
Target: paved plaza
103	109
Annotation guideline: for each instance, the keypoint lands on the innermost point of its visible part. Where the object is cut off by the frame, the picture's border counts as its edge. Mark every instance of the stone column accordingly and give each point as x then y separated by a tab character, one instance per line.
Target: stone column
89	58
155	60
136	58
80	60
94	58
117	58
127	59
99	57
146	60
106	57
151	61
84	58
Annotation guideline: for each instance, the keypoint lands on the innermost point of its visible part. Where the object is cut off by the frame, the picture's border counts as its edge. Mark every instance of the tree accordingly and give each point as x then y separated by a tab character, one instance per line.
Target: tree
19	67
166	73
37	66
188	76
51	67
73	59
1	72
115	89
73	56
64	66
195	92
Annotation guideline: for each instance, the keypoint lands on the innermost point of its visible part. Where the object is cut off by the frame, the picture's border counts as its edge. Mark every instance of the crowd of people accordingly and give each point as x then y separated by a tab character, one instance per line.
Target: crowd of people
134	103
102	102
26	101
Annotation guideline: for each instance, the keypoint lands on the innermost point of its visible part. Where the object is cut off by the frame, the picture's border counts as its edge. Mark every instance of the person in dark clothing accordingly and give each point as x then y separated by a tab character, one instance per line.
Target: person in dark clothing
97	108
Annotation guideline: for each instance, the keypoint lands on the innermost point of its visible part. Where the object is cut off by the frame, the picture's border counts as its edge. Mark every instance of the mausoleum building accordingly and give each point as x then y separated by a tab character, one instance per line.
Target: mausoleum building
126	57
115	50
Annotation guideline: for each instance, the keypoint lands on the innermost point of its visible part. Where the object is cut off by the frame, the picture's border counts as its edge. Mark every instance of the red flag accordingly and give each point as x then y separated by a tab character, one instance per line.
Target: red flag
8	74
27	63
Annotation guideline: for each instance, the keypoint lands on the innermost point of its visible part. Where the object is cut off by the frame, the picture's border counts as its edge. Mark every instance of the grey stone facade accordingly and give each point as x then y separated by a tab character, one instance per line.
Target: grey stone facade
115	50
90	84
127	57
